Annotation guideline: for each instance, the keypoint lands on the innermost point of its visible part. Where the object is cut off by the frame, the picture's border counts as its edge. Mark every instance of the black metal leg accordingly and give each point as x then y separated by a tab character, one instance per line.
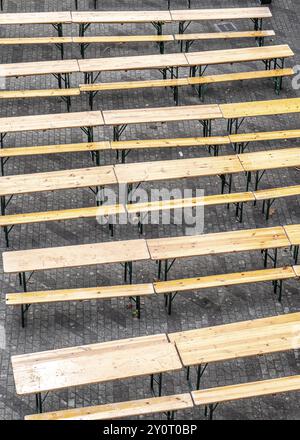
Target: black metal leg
39	403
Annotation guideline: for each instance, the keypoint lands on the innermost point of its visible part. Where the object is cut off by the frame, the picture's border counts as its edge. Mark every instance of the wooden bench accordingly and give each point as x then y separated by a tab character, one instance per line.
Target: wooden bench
293	233
135	292
65	94
241	141
92	364
239	340
268	196
201	82
189	39
211	398
111	411
170	289
59	42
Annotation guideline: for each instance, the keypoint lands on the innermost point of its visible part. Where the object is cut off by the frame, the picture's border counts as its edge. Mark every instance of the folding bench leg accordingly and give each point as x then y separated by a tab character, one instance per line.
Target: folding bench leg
296	254
158	382
266	254
210	410
39	403
278	284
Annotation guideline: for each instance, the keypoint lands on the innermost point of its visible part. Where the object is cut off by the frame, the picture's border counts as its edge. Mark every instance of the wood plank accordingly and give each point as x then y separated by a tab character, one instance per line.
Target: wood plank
62	215
35	40
57	180
54	149
51	122
264	136
274	193
140	62
75	256
293	233
170	143
224	35
115	17
177	169
217	243
121	409
246	390
39	68
165	205
224	280
35	18
122	39
297	270
83	294
162	114
47	93
245	54
91	364
220	14
260	108
127	85
271	159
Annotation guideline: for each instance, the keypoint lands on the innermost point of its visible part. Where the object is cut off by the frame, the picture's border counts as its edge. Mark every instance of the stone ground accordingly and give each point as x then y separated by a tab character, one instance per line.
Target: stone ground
54	326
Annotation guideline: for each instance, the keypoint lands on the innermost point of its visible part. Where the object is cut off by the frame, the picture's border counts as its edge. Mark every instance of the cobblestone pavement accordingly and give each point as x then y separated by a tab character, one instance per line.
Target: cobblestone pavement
63	325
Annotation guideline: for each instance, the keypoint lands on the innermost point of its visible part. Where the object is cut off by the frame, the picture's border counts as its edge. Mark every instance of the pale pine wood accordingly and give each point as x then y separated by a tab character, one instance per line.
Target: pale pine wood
123	39
274	193
170	143
245	54
272	159
210	79
293	233
91	364
120	17
121	409
177	169
35	40
47	93
264	136
51	122
36	18
55	149
297	270
75	256
57	180
166	205
139	62
260	108
225	280
65	214
224	35
246	390
84	294
162	114
217	243
220	14
127	85
39	68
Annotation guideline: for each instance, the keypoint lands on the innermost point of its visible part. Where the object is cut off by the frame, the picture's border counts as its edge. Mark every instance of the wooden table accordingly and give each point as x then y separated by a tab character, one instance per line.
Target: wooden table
92	364
165	249
234	341
121	118
261	161
237	112
84	120
33	260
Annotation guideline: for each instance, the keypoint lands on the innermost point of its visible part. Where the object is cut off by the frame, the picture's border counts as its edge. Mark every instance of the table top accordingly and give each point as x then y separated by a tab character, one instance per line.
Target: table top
36	18
140	62
51	122
272	159
239	55
293	233
177	169
162	114
39	68
217	243
91	364
75	256
260	108
220	14
241	339
121	17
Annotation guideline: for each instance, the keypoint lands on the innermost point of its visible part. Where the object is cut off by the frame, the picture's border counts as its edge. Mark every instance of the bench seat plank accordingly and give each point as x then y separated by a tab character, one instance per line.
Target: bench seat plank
96	363
35	40
264	136
217	243
126	85
36	18
120	17
54	149
246	390
293	233
75	256
84	294
19	94
260	108
121	409
57	180
224	35
224	280
273	193
123	39
220	14
210	79
170	143
272	159
39	68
